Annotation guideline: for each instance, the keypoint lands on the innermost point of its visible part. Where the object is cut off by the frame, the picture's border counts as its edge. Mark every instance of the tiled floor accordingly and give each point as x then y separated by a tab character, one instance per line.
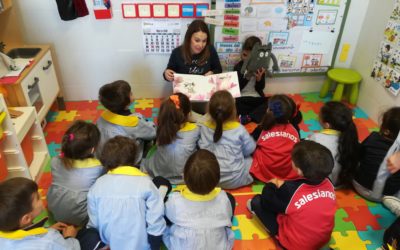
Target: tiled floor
359	224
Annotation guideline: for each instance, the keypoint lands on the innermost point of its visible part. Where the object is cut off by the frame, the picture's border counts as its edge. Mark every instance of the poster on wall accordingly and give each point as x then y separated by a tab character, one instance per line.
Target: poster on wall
386	67
297	29
161	37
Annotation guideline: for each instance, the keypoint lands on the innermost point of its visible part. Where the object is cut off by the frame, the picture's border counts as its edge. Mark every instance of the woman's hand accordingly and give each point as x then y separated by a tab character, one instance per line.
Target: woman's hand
169	74
260	74
209	73
393	162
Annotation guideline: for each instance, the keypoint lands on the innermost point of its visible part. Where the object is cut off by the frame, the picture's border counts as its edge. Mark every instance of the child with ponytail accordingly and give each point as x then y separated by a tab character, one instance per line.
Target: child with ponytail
74	172
228	140
176	140
339	135
272	157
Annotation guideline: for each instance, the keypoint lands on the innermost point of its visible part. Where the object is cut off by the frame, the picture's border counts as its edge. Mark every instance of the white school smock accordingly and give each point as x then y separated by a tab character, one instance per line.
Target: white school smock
199	221
330	139
37	238
133	126
233	152
169	160
125	206
68	191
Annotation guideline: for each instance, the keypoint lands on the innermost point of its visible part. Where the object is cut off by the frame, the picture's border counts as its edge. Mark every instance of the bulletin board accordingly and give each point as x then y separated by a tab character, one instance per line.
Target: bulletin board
305	34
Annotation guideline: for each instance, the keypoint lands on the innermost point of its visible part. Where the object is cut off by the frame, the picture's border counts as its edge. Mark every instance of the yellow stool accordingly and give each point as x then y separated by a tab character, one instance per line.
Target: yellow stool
342	77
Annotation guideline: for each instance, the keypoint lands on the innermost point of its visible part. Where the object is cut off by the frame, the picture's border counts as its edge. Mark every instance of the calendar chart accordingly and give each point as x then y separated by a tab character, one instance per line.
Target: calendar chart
161	37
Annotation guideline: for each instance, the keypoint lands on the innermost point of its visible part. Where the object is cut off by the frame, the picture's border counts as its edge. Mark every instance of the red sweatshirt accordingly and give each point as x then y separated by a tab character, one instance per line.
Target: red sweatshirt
306	212
272	157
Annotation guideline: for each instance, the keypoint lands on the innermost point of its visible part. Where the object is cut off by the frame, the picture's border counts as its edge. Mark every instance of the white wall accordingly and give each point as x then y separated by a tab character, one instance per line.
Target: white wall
92	52
373	97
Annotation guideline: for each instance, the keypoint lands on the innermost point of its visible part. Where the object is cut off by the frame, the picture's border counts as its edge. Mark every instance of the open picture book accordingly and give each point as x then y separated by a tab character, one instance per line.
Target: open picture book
201	88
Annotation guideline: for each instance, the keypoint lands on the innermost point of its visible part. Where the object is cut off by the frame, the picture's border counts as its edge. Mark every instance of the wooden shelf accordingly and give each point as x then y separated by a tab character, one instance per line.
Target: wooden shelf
23	123
22	160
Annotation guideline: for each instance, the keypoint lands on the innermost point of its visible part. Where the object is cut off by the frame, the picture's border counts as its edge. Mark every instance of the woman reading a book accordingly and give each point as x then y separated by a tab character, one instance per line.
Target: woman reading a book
195	56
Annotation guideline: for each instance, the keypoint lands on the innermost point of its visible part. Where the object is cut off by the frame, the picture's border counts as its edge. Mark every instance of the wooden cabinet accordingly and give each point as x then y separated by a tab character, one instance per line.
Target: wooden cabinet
23	161
6	5
39	87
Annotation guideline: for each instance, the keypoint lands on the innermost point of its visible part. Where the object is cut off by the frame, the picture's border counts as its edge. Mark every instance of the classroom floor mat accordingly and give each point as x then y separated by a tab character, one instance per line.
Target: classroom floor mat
359	224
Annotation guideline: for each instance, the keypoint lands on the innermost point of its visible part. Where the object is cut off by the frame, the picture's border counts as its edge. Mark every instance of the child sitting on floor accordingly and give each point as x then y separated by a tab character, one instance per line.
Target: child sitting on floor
300	213
124	205
228	140
200	213
340	136
73	173
272	159
20	203
176	140
118	119
372	153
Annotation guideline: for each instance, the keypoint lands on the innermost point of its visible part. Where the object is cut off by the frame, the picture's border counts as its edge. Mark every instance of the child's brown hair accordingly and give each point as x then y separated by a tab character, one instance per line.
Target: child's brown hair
222	109
390	126
174	112
250	42
78	142
115	96
201	173
313	159
16	197
119	151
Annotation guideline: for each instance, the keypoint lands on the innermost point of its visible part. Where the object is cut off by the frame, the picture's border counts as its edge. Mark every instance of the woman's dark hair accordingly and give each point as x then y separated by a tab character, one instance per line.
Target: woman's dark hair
201	173
222	109
250	42
281	109
115	96
16	197
119	151
171	117
390	126
340	118
313	159
78	142
196	26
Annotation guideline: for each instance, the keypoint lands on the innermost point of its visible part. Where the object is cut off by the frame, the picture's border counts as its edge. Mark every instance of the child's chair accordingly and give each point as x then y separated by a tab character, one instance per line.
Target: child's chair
342	77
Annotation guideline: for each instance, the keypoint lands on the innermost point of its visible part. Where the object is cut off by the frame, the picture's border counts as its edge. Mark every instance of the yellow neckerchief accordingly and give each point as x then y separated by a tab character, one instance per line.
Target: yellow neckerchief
122	120
328	131
87	163
226	126
188	126
20	234
186	193
127	170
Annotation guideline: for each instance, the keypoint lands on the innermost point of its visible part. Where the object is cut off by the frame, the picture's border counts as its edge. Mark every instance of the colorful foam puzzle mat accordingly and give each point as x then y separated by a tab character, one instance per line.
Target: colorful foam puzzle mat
359	224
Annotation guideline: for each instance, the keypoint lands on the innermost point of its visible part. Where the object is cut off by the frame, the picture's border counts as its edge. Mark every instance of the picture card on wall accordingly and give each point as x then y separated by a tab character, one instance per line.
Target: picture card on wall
129	10
159	10
200	7
102	9
173	10
144	10
187	10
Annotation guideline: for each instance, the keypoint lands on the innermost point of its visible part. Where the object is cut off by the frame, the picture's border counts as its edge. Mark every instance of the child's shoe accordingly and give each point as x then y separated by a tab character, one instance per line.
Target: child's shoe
392	203
244	119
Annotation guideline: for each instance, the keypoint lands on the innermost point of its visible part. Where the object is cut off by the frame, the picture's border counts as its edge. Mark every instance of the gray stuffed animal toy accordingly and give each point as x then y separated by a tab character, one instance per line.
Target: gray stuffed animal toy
260	57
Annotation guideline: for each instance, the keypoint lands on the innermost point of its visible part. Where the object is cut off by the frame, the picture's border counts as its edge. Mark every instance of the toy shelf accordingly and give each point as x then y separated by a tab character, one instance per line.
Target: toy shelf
23	146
